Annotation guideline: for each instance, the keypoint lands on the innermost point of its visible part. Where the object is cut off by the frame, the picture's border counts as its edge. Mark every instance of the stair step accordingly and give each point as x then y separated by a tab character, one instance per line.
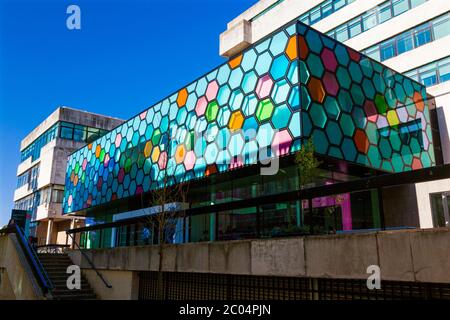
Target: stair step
85	296
51	255
55	269
59	260
56	266
63	281
66	291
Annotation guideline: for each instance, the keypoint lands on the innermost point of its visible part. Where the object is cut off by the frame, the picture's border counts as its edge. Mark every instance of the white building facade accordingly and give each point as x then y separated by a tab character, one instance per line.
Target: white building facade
41	172
409	36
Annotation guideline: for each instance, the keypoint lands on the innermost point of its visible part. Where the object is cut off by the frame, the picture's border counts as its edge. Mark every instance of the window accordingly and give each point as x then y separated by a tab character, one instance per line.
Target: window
200	225
34	149
385	12
444	71
304	19
79	133
323	10
342	34
441	27
369	20
327	9
45	196
338	4
405	44
373	17
422	37
387	51
433	73
33	183
440	209
400	6
315	15
415	3
66	132
355	28
412	38
428	75
237	224
57	196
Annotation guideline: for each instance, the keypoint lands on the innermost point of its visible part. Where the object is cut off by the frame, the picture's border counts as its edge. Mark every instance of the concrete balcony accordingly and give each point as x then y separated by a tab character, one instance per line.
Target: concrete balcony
50	210
236	39
26	165
22	192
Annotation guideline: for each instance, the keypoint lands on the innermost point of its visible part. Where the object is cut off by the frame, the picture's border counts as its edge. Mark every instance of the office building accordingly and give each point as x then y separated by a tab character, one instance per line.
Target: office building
41	172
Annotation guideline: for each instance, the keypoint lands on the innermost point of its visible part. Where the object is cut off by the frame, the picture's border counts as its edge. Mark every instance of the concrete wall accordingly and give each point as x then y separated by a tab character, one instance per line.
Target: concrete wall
16	278
409	255
124	284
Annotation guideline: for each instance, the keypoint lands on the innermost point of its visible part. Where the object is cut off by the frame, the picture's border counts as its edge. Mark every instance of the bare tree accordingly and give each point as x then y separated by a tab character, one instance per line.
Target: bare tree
308	171
168	202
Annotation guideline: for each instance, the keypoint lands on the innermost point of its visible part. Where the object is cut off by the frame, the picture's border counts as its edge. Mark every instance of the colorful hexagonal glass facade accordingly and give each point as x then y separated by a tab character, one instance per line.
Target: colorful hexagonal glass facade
294	84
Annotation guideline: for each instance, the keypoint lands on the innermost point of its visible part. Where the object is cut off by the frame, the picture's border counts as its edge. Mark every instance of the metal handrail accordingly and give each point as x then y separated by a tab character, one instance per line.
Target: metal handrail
32	258
90	261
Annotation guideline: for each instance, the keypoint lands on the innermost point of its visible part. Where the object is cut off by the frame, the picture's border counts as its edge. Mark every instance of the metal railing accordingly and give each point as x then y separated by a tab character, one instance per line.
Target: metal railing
32	258
208	286
89	261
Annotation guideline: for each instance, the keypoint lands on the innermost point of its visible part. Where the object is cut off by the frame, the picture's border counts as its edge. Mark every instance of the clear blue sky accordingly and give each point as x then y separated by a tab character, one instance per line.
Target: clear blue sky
128	55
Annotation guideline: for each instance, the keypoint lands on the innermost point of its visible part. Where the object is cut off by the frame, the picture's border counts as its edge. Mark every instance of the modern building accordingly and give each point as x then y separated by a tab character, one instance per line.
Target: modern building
410	36
218	133
221	156
41	172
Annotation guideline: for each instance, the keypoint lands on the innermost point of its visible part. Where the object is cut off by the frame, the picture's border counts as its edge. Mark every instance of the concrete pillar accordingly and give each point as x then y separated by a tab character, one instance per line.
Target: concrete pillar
49	231
69	239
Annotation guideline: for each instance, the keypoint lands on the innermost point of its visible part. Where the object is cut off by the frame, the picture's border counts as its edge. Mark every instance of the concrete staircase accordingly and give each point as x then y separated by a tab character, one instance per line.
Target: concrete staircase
56	267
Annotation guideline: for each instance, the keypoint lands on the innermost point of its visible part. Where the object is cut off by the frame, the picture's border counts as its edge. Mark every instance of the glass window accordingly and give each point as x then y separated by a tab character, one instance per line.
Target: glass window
387	51
34	150
237	224
373	53
315	15
79	133
200	227
441	27
405	43
384	12
305	19
342	33
57	196
66	133
92	134
444	71
327	9
413	75
440	208
422	36
428	75
369	20
355	28
340	3
45	196
415	3
281	219
400	6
